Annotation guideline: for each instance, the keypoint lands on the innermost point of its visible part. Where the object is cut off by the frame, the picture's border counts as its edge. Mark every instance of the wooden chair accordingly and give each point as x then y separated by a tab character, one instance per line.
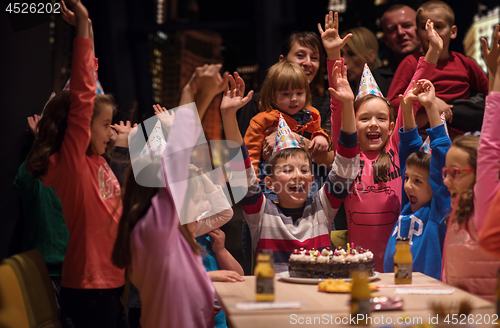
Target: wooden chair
36	288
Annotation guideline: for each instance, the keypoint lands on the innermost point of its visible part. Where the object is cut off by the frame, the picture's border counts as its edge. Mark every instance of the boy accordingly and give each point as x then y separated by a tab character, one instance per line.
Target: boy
455	74
296	220
425	201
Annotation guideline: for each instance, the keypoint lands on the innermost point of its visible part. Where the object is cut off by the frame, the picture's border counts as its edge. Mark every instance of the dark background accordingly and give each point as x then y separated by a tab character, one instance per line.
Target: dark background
252	32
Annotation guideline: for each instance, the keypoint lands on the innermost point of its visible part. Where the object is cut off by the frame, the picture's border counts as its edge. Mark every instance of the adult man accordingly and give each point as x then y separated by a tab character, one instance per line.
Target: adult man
398	24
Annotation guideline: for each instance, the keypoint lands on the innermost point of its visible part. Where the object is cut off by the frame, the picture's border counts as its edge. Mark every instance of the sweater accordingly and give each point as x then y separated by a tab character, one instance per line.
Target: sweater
372	208
86	186
453	78
465	265
273	227
174	287
425	227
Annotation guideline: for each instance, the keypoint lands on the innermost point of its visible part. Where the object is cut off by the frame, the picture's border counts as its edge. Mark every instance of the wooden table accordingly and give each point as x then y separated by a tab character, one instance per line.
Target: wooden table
326	307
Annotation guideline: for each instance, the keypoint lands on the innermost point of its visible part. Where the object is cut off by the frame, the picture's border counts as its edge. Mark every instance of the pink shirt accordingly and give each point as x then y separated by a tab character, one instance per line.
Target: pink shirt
86	186
174	287
465	265
372	208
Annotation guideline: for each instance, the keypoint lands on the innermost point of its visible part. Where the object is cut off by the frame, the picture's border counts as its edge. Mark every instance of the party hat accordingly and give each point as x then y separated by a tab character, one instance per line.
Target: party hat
284	137
426	146
368	85
156	142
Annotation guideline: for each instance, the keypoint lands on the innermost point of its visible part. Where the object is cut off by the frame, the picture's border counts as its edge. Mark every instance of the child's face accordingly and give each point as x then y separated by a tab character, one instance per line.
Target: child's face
458	181
291	101
417	187
291	181
306	57
445	31
100	129
373	124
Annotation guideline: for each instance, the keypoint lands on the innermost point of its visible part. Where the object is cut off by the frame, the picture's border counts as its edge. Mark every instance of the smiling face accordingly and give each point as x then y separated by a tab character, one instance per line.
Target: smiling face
417	187
464	180
373	123
292	180
399	32
305	57
446	31
100	129
291	101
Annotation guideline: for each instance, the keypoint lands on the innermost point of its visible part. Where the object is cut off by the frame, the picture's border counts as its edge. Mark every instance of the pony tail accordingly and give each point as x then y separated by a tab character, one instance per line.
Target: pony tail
465	206
381	167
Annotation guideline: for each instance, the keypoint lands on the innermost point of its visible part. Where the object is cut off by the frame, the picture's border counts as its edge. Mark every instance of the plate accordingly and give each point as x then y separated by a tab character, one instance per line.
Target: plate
285	276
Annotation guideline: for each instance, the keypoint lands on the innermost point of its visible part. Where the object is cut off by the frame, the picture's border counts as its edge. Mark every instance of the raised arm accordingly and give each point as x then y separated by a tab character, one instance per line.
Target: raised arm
341	90
488	153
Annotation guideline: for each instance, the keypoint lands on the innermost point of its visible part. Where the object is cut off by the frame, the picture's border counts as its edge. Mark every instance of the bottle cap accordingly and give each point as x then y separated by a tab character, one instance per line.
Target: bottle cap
402	239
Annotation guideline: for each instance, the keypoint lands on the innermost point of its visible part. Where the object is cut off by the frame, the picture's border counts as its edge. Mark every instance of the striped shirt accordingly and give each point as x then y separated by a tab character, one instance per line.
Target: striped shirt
271	228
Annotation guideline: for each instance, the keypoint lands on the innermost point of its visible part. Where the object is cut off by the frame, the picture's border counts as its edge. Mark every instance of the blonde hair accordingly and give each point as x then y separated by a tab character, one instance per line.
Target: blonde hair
282	76
361	42
437	4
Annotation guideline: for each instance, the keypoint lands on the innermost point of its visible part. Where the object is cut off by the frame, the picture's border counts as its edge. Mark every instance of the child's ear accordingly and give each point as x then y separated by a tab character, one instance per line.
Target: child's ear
454	32
282	58
391	129
269	183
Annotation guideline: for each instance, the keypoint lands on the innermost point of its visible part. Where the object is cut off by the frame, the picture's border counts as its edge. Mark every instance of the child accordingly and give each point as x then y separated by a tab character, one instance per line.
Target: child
285	92
471	175
296	220
162	255
374	205
455	74
73	134
425	200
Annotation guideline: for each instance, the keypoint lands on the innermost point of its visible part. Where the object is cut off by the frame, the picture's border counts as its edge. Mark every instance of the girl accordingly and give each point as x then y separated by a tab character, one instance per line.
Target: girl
471	175
73	134
285	92
374	205
162	255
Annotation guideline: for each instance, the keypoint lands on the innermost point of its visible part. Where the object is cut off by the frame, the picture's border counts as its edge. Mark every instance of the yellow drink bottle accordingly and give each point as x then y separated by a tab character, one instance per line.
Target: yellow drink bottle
360	297
403	262
264	273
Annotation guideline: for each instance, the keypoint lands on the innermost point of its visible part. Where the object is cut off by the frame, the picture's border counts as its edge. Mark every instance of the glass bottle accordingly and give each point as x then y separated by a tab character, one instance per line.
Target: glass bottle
360	297
264	273
403	262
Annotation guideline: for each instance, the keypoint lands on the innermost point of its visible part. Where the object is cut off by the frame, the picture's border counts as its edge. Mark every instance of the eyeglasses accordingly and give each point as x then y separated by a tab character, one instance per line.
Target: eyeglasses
454	171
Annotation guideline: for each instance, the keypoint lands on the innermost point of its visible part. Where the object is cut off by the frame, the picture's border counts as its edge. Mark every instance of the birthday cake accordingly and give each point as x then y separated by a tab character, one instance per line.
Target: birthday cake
305	263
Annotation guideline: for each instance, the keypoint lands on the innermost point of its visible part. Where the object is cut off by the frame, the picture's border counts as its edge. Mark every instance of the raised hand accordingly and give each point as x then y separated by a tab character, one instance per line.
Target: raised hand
67	15
435	43
427	97
427	93
332	42
122	130
233	98
33	122
209	83
492	58
341	87
166	117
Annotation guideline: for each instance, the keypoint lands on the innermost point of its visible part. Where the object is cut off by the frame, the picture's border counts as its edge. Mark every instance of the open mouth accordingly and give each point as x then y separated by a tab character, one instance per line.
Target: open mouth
413	199
297	189
373	136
